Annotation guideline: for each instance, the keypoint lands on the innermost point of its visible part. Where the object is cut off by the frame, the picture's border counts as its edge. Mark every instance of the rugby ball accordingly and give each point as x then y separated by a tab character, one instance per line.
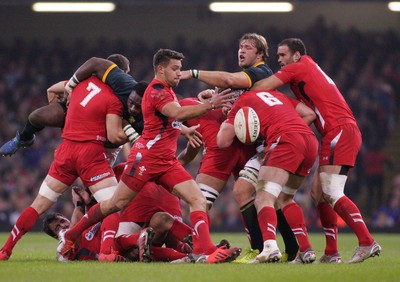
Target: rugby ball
246	125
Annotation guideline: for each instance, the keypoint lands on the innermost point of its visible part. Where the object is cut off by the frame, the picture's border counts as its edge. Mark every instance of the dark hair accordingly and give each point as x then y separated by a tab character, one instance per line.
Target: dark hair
120	60
140	87
47	221
260	42
294	45
163	56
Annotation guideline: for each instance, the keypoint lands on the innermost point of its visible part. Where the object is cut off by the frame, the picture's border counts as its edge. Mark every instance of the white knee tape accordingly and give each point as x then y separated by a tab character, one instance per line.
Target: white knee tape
289	191
333	185
270	187
127	228
48	193
104	194
250	175
209	193
255	161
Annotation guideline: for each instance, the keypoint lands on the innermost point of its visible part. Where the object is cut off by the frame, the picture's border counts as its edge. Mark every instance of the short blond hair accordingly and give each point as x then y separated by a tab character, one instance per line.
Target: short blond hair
260	42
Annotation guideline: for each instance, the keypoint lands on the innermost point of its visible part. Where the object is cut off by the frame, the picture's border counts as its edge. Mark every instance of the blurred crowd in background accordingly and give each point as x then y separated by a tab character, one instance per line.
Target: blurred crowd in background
365	67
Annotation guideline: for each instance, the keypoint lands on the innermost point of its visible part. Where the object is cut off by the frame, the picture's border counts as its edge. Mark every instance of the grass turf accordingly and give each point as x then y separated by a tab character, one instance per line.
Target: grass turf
34	260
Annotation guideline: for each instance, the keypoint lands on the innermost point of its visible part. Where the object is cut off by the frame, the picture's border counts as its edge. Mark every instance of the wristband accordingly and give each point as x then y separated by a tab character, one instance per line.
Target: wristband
73	81
79	204
131	134
195	73
92	202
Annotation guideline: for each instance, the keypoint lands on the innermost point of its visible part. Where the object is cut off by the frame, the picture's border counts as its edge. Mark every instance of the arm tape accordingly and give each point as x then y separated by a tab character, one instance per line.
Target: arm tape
73	81
131	133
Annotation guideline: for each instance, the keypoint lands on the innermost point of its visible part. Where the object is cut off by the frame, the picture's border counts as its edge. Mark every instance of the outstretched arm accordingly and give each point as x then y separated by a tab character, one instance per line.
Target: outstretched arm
188	154
269	83
220	79
184	113
93	66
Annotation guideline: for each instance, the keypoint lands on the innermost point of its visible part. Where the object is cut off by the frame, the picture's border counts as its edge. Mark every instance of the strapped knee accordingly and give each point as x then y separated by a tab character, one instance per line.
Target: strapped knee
209	193
333	186
104	194
48	193
270	187
289	191
250	175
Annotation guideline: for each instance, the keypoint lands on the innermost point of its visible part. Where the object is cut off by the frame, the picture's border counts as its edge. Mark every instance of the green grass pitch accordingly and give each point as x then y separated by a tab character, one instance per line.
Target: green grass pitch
34	260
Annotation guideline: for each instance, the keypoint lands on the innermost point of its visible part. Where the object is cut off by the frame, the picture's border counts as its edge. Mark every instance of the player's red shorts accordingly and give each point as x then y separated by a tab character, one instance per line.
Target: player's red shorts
86	160
220	163
340	146
151	199
141	169
294	152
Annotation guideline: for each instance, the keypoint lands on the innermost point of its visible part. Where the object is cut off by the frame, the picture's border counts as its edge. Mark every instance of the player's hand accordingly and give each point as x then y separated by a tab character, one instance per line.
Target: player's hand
205	95
222	99
192	135
83	195
75	196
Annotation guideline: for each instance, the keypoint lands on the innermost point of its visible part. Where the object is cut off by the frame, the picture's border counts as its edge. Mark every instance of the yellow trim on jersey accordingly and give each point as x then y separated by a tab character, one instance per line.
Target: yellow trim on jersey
110	68
260	63
248	78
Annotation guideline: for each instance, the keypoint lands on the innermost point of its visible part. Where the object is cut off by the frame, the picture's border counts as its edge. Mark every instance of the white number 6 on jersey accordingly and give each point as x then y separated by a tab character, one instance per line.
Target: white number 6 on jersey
269	99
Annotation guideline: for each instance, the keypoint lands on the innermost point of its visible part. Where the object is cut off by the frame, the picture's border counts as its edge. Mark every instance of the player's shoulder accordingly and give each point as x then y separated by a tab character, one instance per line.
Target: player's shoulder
117	75
306	58
157	89
295	68
261	66
258	71
157	86
304	63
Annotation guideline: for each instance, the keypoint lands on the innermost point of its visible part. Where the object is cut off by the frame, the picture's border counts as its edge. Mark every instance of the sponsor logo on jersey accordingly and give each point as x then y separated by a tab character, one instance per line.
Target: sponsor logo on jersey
142	169
101	138
139	145
176	124
90	234
100	176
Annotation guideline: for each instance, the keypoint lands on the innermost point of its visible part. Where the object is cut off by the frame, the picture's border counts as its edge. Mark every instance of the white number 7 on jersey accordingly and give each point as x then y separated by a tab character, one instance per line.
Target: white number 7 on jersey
93	91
